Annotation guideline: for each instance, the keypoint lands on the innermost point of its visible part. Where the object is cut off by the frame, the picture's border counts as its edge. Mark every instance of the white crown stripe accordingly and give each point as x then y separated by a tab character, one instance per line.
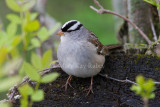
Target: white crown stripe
74	27
67	23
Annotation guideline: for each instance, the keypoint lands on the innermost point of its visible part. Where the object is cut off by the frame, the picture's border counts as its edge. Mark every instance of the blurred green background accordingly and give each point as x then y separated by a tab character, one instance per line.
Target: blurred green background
64	10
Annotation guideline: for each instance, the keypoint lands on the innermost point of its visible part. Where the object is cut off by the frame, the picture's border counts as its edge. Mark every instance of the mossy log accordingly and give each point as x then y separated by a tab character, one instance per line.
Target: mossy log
106	92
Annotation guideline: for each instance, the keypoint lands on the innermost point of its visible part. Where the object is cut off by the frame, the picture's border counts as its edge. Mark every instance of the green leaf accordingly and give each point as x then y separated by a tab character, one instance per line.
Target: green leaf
28	5
49	77
140	80
16	41
151	2
36	61
13	5
38	95
12	29
47	58
43	34
33	16
3	54
152	96
35	43
3	38
149	85
31	72
26	90
7	83
32	26
5	104
24	102
14	18
144	87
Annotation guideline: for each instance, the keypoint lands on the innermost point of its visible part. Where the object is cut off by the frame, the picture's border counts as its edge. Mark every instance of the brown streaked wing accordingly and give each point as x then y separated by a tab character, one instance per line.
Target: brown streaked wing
94	40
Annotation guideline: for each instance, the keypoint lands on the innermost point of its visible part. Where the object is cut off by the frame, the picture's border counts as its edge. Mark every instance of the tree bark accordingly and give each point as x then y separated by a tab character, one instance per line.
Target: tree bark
121	7
139	13
144	15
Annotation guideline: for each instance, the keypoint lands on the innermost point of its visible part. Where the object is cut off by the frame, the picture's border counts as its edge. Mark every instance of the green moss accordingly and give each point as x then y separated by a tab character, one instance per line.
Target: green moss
156	68
58	85
139	56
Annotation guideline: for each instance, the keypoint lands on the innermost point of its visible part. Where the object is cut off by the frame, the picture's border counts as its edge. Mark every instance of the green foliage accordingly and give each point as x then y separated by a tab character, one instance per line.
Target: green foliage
35	43
37	63
31	72
46	59
153	2
49	77
20	5
35	94
144	87
13	18
7	83
13	5
32	26
5	104
25	91
38	95
21	37
43	34
41	63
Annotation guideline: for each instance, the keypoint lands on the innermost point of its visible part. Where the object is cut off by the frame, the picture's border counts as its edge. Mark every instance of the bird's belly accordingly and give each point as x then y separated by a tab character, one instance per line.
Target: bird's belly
79	69
80	62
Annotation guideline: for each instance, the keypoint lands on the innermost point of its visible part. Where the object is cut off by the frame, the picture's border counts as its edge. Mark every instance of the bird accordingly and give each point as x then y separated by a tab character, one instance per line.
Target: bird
80	53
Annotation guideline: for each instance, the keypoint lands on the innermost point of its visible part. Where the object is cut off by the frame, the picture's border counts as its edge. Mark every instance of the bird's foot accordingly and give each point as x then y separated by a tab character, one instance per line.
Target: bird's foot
90	90
68	83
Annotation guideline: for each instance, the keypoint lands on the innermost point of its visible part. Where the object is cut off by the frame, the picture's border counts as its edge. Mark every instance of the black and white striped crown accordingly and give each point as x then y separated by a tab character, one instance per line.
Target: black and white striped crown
71	25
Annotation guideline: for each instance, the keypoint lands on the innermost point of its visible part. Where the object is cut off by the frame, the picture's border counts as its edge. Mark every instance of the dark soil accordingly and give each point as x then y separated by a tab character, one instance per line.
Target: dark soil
107	93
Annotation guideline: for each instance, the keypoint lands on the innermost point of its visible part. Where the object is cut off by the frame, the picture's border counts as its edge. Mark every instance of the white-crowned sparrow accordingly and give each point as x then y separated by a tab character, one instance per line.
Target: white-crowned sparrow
80	53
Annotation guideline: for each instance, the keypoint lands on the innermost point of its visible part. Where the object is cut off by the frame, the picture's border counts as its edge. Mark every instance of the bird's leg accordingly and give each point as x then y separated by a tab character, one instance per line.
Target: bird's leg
68	82
90	87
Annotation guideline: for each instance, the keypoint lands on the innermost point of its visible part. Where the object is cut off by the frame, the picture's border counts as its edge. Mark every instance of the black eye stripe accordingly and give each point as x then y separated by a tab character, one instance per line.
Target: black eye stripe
64	29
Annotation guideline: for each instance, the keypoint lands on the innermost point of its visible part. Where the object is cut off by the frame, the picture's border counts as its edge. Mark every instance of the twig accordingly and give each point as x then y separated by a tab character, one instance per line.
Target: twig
12	94
145	101
158	3
102	11
153	30
157	83
14	90
124	81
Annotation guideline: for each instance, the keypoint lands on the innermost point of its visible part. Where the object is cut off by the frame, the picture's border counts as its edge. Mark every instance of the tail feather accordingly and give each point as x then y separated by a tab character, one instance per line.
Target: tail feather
112	49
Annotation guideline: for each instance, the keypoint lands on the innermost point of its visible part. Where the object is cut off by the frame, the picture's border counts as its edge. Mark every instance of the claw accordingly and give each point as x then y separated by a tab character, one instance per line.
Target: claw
90	90
68	83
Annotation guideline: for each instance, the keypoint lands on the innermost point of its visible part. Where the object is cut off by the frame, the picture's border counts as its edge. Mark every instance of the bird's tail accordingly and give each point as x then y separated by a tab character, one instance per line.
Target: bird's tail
113	49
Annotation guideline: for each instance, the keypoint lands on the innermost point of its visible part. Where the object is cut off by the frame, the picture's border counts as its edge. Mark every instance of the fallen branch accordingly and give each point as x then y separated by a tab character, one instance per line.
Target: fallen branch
14	90
101	10
123	81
